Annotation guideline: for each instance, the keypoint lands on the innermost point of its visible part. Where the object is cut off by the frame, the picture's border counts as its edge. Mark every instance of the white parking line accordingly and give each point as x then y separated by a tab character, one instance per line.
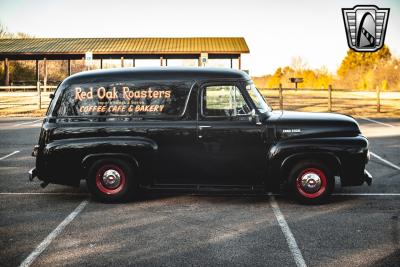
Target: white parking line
366	194
298	257
378	122
28	122
45	193
46	242
385	161
6	156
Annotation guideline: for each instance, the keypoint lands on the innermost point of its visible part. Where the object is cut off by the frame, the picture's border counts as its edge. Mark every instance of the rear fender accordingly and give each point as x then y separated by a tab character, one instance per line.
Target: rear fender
89	159
57	157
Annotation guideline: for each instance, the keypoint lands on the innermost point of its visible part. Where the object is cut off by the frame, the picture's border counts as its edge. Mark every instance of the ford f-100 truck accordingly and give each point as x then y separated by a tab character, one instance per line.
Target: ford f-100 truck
190	130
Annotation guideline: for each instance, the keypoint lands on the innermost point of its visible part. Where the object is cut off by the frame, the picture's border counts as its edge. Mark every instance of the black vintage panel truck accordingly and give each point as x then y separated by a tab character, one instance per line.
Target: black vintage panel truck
191	130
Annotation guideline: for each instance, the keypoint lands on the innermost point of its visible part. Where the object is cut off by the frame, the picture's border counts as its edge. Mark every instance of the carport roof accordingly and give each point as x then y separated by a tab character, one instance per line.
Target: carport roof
128	46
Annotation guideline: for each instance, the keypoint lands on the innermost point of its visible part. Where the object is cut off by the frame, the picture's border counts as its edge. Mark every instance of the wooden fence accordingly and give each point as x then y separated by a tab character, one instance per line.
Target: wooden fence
329	96
38	89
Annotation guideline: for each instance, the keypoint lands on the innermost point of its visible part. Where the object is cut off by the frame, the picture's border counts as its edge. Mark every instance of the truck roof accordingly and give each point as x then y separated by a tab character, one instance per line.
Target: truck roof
156	73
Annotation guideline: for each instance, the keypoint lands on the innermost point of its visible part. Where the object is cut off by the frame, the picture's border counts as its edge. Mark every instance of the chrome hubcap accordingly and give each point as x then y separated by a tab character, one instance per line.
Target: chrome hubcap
111	179
310	182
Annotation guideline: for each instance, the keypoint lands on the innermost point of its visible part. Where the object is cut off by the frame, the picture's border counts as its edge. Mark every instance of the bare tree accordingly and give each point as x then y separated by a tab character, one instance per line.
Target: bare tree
299	64
3	31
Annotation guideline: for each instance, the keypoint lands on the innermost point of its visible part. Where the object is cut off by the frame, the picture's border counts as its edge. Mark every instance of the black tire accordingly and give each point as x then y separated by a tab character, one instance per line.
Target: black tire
115	187
311	182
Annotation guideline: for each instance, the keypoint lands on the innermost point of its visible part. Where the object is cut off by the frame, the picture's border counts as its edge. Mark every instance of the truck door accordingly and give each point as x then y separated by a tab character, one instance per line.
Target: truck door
231	147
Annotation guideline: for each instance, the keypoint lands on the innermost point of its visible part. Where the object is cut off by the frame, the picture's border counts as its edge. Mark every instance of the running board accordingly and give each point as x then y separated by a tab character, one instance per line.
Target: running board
204	187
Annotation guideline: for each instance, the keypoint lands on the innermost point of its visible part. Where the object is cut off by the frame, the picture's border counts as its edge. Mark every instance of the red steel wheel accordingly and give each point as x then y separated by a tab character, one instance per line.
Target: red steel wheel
311	183
110	179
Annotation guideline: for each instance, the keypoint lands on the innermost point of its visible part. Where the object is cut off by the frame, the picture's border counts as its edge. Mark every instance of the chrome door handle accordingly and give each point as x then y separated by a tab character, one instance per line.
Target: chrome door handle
201	127
204	126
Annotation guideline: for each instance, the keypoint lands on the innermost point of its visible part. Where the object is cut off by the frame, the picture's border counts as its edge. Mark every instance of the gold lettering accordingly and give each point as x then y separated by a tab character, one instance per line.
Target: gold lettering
149	93
126	92
89	95
78	90
101	92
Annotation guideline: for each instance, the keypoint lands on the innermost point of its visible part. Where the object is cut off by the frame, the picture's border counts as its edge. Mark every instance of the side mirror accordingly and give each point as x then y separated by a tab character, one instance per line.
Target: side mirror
51	96
254	117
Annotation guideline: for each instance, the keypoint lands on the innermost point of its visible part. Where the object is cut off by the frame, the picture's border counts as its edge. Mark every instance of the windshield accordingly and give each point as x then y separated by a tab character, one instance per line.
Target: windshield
257	98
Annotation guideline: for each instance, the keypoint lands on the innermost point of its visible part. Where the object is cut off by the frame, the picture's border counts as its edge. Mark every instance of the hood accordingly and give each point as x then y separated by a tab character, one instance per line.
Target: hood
290	124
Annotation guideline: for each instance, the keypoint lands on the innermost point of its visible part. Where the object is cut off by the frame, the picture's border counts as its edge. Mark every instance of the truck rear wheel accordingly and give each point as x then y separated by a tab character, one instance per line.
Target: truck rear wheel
311	182
110	180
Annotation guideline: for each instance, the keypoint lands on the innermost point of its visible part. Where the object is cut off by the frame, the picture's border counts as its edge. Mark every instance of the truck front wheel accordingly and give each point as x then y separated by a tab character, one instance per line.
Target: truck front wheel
110	180
311	182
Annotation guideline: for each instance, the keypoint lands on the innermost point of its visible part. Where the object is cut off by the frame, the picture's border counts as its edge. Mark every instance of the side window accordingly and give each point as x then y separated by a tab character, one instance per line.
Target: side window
223	101
139	99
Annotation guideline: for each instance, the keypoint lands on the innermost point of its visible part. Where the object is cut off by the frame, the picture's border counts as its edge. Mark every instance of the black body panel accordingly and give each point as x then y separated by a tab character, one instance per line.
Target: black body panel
190	149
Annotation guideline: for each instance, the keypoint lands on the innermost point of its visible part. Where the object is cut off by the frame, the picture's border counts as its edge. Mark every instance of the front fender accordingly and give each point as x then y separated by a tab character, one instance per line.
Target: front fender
285	153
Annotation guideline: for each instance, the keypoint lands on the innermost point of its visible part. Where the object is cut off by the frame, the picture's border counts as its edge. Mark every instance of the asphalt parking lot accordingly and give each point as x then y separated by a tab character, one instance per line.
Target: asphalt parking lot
61	225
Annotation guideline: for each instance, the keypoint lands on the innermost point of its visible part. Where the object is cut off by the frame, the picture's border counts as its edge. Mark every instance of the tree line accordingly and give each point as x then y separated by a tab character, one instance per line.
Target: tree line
362	71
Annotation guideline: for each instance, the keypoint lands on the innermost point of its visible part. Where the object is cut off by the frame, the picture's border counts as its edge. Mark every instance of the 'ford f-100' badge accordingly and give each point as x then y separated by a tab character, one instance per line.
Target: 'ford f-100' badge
365	27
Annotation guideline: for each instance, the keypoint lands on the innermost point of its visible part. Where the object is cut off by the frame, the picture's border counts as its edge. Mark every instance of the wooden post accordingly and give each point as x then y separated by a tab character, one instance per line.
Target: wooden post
69	67
166	62
45	74
231	63
101	63
240	62
6	73
37	70
133	63
280	97
161	61
378	99
330	98
199	61
122	62
39	100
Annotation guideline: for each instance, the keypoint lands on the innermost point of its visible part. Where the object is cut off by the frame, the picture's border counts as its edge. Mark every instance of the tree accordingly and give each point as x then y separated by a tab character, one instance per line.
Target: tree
275	79
358	69
299	64
3	31
364	60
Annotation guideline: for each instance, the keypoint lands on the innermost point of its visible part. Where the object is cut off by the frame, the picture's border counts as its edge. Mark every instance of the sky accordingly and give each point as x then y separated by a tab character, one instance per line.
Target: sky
275	31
